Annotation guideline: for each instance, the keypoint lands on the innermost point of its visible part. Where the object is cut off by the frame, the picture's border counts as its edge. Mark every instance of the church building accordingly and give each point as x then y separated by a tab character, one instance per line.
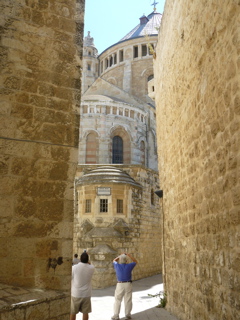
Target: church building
117	209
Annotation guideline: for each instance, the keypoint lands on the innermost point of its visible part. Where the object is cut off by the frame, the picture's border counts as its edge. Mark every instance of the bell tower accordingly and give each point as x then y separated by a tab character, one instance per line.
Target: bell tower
90	62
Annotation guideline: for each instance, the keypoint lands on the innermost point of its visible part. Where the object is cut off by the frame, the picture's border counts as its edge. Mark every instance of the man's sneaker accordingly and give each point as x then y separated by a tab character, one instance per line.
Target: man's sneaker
128	317
115	318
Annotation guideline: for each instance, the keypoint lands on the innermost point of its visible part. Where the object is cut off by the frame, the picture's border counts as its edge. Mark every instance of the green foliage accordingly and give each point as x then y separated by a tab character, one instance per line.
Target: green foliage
163	298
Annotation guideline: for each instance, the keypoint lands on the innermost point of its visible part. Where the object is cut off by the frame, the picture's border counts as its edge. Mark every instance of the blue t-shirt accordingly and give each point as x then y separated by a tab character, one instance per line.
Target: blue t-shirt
124	271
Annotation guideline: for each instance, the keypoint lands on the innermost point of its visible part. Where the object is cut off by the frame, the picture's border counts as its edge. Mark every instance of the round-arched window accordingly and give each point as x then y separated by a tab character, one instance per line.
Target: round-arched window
117	150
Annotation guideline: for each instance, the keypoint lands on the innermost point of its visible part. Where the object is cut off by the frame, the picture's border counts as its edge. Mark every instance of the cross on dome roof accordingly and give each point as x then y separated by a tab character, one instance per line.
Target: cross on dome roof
154	5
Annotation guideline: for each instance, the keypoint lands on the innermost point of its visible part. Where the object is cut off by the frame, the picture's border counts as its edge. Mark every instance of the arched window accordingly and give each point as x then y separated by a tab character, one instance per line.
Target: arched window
117	150
119	145
111	61
91	148
142	146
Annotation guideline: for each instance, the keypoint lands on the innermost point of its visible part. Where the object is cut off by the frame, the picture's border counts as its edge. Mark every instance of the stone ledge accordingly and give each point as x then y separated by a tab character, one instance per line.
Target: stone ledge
12	297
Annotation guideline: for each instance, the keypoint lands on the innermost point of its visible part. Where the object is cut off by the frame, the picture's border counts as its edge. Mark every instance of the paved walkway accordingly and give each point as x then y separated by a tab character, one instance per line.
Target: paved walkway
144	307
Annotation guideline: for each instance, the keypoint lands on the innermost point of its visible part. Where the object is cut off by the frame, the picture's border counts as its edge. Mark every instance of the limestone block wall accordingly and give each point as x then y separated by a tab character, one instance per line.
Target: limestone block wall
40	94
20	303
198	122
138	230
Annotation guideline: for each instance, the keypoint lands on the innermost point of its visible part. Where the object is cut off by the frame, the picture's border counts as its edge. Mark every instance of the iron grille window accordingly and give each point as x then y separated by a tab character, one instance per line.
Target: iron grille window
117	150
103	205
119	206
88	204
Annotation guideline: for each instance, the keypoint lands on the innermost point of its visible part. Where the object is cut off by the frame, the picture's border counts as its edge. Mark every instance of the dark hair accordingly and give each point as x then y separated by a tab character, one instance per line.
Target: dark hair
76	255
84	257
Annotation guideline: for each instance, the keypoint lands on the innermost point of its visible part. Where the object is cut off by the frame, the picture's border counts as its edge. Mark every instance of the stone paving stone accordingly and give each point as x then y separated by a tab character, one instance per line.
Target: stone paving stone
144	307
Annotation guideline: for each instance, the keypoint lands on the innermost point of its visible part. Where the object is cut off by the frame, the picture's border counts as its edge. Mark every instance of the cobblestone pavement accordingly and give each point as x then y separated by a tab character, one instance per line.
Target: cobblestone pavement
144	307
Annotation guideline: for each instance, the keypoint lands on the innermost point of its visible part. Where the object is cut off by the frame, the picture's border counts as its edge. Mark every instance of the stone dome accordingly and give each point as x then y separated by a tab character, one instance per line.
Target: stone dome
148	26
107	174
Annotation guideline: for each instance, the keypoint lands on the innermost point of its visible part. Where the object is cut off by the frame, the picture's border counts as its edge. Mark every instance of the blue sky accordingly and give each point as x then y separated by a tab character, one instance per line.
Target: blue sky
110	20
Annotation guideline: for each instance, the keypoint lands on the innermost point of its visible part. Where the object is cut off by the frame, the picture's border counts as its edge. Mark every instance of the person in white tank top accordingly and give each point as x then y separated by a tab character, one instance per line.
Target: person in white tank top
81	288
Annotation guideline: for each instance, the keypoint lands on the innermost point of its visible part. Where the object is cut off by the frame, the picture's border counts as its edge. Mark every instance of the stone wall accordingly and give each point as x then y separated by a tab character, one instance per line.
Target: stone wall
198	121
40	94
20	303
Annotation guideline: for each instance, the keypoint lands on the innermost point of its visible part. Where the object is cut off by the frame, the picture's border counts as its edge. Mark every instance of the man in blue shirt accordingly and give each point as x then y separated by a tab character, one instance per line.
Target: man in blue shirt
124	284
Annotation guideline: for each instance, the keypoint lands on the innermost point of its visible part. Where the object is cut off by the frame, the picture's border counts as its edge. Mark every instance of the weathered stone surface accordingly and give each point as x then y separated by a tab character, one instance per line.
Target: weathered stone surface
197	87
40	99
26	303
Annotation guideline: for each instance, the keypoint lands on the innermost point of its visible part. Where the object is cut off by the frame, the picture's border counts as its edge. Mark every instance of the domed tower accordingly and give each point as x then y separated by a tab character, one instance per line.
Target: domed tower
117	172
90	62
128	64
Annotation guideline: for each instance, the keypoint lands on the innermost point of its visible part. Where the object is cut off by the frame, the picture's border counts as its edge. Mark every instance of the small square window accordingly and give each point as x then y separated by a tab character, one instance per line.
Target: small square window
88	204
119	206
103	205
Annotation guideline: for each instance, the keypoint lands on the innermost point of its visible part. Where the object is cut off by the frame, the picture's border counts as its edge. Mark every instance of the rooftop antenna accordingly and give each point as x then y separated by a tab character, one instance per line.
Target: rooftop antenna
154	5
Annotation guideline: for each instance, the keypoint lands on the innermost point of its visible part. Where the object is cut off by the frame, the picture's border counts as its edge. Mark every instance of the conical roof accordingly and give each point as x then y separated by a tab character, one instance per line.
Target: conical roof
148	26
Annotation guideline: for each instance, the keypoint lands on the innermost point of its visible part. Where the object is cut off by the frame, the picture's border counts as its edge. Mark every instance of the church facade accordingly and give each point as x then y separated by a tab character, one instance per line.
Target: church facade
117	209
